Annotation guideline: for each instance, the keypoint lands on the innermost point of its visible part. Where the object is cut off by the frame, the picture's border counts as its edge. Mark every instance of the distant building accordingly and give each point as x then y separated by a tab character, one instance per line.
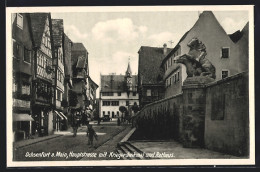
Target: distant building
150	77
116	91
80	71
228	53
43	92
78	49
22	75
91	93
79	83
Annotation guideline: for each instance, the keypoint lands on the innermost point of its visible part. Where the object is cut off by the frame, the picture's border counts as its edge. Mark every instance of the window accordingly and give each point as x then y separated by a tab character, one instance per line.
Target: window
103	113
115	103
108	94
25	89
225	53
59	95
134	93
119	93
178	76
16	49
170	81
27	55
127	103
224	74
148	92
155	93
175	78
15	88
20	21
106	103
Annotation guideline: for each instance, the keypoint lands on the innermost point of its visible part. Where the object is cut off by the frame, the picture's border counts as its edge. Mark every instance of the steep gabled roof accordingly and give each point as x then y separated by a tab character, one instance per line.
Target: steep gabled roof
150	59
96	86
38	21
57	31
205	14
78	47
115	83
236	36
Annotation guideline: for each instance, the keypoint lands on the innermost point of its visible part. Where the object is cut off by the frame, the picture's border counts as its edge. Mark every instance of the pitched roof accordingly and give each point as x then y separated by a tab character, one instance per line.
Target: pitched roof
57	31
78	47
115	83
150	59
37	26
96	86
204	14
67	55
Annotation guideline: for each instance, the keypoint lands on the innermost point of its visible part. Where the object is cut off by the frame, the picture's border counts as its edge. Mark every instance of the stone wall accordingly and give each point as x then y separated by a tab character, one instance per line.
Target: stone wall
160	120
214	116
227	115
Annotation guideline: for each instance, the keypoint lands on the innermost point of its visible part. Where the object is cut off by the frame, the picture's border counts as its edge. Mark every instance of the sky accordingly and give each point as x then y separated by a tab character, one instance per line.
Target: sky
112	38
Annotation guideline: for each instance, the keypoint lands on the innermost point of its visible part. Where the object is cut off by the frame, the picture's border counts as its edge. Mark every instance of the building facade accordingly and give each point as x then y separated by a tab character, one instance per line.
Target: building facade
228	53
22	75
116	91
67	45
91	93
79	62
150	76
42	92
58	74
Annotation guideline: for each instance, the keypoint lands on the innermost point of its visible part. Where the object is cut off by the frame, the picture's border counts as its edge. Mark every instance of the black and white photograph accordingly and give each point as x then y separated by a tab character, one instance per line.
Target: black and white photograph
130	86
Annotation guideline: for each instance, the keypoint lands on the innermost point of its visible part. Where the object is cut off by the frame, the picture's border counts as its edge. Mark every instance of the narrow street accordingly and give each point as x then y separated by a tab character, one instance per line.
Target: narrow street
67	147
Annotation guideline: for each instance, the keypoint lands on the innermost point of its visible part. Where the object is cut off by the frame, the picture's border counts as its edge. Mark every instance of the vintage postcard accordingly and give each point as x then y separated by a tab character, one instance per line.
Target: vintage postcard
130	86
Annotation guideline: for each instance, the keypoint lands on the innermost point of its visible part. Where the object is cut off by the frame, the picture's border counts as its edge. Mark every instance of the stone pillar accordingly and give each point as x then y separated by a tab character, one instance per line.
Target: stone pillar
194	105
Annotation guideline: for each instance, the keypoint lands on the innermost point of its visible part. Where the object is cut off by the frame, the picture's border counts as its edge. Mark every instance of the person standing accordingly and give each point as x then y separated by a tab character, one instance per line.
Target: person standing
75	124
91	134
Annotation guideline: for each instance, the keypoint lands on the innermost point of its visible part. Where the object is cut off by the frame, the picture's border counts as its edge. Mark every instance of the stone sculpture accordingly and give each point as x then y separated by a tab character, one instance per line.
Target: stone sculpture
195	60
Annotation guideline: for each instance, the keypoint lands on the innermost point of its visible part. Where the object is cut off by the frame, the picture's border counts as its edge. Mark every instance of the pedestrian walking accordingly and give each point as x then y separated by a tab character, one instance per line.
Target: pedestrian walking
91	134
118	121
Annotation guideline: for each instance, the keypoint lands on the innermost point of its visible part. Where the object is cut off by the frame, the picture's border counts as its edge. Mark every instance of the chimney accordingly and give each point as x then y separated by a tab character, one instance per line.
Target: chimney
165	49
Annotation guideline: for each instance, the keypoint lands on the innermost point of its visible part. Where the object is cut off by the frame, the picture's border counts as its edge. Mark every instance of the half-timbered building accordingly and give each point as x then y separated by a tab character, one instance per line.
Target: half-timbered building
42	102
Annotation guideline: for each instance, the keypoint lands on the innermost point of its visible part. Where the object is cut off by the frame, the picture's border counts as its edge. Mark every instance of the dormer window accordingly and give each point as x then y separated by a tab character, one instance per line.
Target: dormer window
20	21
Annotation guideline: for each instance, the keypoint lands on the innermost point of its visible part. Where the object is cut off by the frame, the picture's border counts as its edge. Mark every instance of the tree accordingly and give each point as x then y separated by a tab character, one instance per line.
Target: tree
122	109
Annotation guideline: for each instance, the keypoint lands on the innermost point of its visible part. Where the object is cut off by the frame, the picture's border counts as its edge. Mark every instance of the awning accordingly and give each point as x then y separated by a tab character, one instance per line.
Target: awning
59	114
64	115
22	117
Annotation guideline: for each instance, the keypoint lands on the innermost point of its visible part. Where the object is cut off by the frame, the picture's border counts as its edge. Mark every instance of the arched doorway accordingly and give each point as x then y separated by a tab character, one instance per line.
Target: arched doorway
113	114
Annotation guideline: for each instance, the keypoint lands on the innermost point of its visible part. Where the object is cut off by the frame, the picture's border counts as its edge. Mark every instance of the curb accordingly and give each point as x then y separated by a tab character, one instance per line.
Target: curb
37	142
129	134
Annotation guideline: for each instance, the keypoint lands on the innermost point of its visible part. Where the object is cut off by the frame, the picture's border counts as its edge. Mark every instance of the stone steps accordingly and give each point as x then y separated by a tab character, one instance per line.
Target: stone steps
127	148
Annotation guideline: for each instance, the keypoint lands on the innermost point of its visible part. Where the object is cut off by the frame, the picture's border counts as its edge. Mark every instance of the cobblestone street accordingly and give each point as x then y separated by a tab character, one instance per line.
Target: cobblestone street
67	147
